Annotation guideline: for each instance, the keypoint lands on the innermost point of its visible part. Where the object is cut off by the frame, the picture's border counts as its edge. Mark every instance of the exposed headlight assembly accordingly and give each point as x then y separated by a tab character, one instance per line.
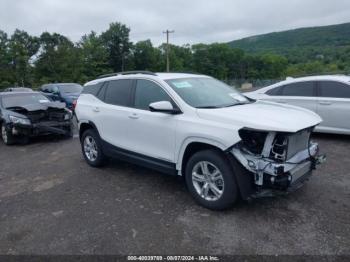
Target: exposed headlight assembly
19	120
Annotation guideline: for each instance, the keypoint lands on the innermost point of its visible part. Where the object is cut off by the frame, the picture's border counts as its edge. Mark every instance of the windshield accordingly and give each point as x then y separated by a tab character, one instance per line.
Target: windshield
70	88
206	92
17	100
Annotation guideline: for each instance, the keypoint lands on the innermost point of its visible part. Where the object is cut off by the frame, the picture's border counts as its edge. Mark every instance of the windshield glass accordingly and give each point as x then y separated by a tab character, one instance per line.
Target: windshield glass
206	92
9	101
70	88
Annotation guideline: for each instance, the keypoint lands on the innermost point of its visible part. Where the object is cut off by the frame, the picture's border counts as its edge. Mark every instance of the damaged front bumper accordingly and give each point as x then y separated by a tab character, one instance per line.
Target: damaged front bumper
41	128
272	176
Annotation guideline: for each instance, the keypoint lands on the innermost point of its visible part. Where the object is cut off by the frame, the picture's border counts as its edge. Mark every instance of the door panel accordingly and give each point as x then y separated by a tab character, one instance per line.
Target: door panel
151	133
333	105
111	114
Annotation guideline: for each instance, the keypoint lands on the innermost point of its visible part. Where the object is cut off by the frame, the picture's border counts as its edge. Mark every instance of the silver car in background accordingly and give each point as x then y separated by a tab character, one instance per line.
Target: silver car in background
328	96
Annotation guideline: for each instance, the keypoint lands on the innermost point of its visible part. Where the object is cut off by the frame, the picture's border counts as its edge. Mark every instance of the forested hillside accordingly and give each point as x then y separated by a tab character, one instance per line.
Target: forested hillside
308	50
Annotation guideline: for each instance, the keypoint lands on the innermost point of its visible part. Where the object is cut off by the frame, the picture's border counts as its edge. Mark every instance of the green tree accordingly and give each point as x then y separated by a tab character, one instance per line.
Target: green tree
146	57
59	60
116	41
5	61
22	47
94	57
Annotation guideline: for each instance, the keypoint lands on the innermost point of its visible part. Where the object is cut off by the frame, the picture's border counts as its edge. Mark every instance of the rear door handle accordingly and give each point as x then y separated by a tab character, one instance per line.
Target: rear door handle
96	109
134	116
326	103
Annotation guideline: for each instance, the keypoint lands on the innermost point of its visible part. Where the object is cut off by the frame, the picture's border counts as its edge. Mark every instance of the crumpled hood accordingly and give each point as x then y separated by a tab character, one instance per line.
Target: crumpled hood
263	115
42	106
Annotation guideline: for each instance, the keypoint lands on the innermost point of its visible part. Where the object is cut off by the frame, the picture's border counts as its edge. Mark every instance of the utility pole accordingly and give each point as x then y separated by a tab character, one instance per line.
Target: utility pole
167	32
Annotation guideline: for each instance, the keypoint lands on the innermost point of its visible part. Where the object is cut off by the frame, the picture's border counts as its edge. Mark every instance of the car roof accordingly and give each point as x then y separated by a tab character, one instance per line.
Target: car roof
18	93
161	76
59	84
319	77
289	80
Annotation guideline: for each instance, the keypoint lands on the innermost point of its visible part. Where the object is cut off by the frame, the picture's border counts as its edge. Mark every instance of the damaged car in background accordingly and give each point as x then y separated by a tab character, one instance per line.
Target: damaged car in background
27	114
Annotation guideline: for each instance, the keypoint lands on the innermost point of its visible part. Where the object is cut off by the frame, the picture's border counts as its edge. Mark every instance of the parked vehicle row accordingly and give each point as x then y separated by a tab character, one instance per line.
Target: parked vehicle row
225	145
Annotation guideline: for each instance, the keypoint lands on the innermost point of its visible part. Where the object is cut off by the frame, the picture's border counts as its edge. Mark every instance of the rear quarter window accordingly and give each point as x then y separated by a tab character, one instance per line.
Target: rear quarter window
93	89
274	91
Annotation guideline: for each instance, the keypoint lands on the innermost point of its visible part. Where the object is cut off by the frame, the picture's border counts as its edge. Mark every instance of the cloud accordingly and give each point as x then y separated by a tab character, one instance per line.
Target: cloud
194	21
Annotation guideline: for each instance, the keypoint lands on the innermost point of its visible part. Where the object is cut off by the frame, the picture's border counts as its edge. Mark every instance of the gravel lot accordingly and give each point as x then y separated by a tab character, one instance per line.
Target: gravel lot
52	202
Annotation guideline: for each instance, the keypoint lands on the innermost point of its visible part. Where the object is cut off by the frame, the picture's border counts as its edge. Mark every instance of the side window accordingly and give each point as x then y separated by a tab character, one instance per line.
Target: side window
333	89
118	92
92	89
299	89
148	92
275	91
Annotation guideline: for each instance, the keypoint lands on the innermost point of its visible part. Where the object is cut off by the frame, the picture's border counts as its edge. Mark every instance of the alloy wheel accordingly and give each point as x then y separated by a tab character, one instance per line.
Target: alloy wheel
4	134
208	181
90	148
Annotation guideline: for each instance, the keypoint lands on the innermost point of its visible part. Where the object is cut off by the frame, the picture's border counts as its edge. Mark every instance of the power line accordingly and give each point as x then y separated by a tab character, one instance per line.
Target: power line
167	32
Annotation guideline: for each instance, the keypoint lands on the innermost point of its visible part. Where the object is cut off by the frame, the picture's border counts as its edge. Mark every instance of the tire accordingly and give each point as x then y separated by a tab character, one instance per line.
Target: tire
70	131
218	189
6	135
92	153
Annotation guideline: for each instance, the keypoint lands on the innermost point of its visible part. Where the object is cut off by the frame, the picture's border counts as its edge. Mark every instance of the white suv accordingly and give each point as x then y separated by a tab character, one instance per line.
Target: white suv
225	145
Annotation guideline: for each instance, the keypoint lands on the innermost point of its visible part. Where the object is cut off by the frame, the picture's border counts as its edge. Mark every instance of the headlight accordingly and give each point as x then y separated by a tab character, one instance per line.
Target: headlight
253	140
19	120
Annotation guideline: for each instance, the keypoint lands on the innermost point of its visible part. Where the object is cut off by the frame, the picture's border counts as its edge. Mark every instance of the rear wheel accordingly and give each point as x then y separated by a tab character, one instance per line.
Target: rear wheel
6	135
210	180
92	149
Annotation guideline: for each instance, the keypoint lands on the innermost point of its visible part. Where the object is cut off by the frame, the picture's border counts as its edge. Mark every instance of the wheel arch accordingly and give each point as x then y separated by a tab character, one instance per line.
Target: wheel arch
193	145
85	125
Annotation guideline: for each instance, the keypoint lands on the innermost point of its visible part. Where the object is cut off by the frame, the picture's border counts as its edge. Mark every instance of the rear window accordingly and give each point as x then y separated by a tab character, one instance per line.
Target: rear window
275	91
333	89
70	88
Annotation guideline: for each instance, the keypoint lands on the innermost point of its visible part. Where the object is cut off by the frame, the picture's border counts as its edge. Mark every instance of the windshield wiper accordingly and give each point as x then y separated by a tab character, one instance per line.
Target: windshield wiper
207	107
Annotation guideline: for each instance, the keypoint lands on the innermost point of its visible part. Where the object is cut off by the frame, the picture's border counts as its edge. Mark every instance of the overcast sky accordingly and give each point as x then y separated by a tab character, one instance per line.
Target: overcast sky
194	21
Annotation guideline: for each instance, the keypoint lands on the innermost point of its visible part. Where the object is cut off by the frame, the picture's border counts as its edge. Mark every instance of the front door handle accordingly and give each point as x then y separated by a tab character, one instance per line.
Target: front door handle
96	109
134	116
326	103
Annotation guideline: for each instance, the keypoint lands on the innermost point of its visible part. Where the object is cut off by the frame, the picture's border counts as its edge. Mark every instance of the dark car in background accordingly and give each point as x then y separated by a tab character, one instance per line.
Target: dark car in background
63	92
18	89
27	114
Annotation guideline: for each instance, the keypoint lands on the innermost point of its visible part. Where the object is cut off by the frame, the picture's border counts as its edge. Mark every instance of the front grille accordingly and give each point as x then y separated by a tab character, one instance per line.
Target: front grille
51	115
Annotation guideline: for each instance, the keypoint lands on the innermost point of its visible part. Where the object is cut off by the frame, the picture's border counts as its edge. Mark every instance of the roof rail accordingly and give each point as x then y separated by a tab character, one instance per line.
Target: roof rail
107	75
137	72
127	73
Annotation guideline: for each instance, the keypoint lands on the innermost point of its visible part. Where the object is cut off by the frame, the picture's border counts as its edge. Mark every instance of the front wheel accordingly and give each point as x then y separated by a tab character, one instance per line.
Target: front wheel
6	135
210	180
92	149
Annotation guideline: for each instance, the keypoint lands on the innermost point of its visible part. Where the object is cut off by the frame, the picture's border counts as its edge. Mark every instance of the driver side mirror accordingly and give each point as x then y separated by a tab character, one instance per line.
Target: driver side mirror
164	107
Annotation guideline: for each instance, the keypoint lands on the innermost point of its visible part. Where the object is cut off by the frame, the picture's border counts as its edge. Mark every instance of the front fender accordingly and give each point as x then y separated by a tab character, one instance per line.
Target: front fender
196	139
